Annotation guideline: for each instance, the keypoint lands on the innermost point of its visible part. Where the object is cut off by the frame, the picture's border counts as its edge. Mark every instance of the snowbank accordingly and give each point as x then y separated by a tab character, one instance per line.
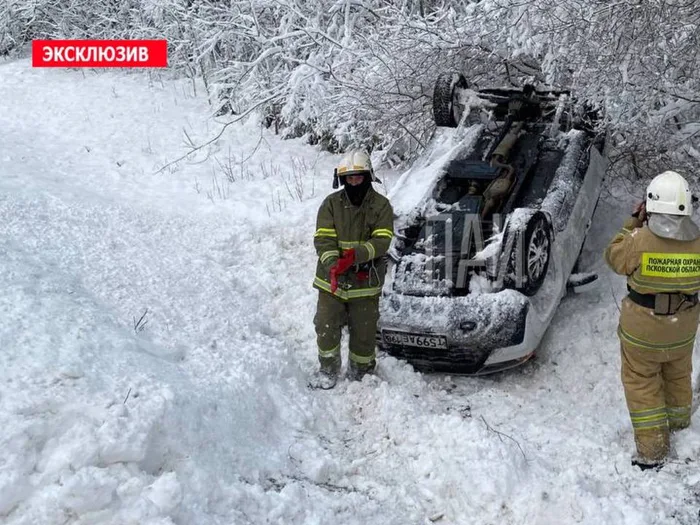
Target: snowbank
202	414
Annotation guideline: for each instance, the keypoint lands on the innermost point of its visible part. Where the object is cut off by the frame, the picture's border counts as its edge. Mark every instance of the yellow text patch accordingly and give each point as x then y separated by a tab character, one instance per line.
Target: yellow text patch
671	264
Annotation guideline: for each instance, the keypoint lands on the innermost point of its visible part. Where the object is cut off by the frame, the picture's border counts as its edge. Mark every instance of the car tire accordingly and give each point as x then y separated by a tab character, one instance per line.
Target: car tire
446	111
529	260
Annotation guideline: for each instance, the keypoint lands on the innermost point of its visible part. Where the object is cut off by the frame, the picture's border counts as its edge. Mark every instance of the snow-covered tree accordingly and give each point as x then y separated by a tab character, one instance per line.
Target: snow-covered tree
361	72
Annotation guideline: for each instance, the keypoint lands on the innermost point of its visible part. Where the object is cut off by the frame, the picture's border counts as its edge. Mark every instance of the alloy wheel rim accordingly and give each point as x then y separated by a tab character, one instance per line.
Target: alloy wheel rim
538	253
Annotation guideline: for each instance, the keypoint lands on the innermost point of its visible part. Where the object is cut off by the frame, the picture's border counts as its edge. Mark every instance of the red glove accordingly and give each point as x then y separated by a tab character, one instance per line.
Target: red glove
341	266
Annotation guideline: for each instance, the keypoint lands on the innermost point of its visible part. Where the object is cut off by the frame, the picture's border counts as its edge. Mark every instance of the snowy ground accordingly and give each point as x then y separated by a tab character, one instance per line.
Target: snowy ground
202	416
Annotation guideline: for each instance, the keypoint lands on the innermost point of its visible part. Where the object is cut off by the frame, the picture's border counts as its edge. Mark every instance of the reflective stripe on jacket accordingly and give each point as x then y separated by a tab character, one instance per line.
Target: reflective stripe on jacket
367	228
653	265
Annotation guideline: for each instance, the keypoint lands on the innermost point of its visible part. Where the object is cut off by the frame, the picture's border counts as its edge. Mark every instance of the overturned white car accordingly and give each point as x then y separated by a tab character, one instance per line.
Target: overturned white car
490	223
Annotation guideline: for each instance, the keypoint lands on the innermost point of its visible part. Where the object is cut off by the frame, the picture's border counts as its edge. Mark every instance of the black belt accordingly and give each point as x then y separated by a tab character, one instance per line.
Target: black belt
648	300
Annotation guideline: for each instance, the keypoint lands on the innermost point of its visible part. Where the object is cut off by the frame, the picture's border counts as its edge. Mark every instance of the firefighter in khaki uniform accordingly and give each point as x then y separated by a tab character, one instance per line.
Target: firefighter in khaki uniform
354	228
659	316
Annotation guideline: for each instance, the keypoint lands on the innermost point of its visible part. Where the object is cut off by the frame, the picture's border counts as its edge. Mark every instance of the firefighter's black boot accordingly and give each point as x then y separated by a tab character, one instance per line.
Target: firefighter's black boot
644	465
356	371
327	375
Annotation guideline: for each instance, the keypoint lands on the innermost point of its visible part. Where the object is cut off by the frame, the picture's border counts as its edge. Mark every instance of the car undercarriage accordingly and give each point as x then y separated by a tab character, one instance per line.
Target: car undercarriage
503	211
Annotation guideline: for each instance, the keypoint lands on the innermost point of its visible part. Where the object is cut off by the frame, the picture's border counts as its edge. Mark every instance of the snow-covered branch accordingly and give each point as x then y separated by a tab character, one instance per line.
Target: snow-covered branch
351	72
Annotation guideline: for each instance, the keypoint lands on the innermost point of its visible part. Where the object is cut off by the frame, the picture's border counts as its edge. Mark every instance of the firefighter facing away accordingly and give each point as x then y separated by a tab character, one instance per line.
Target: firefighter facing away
354	228
659	316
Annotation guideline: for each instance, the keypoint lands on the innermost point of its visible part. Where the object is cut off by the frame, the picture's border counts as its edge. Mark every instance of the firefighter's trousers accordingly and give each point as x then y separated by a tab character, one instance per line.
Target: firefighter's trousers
658	390
361	316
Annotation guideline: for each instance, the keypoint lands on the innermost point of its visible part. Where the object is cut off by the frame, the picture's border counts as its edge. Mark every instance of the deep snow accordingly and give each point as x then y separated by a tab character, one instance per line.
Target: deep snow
202	416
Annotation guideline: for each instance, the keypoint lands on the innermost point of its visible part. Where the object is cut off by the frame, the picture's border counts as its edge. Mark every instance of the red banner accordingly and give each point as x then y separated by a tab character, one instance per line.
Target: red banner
99	53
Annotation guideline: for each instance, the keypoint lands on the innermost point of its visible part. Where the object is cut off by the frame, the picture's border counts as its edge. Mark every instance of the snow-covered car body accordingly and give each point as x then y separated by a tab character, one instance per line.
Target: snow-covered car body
475	281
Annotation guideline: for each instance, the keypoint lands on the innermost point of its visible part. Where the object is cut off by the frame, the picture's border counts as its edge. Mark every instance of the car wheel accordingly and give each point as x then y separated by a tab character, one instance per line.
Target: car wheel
531	255
447	108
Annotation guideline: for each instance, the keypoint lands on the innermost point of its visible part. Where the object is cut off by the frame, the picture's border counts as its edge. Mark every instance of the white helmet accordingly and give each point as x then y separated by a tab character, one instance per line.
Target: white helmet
355	163
669	193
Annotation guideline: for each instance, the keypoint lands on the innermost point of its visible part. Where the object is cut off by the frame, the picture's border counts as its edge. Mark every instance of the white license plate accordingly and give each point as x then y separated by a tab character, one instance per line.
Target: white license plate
421	341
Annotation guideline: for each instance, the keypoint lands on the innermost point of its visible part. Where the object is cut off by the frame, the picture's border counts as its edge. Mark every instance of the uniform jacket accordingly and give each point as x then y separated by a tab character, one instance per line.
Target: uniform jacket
367	228
653	265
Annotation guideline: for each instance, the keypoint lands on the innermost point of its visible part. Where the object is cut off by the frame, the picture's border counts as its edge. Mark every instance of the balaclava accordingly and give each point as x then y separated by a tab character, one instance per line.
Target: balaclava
356	194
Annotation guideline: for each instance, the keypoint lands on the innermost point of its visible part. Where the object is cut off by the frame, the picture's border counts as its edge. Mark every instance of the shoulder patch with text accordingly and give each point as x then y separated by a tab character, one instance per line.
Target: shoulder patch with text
671	264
